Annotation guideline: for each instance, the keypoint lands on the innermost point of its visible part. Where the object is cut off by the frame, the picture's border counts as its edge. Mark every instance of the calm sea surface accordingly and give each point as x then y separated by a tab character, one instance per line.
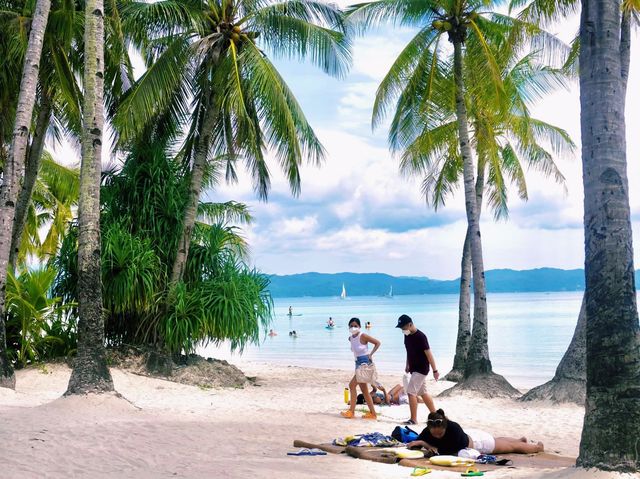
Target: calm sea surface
528	332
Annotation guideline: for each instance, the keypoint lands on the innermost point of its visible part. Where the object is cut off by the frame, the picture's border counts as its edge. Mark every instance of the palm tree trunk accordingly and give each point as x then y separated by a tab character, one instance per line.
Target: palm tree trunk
612	419
195	187
478	375
14	169
569	384
30	177
464	302
90	371
478	359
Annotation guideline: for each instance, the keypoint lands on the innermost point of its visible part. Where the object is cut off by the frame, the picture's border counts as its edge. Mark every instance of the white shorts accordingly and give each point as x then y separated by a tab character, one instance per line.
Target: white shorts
483	442
417	385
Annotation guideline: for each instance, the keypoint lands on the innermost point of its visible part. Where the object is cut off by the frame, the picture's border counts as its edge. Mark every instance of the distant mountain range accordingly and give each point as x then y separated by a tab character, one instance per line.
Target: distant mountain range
379	284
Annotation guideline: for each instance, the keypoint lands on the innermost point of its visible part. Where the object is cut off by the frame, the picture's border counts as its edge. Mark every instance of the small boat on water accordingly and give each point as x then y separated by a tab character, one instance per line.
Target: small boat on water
343	295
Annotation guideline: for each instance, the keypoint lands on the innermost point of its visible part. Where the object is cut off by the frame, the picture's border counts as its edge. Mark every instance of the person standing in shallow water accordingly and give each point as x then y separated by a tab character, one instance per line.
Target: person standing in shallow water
419	358
360	347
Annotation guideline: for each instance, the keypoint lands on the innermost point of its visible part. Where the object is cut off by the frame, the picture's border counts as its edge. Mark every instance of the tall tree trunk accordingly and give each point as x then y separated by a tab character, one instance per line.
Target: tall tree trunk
478	374
569	384
14	168
195	188
612	418
90	371
464	302
30	176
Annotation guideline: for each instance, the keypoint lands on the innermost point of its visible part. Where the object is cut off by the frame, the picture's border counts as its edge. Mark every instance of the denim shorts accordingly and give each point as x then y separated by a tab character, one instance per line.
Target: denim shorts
360	360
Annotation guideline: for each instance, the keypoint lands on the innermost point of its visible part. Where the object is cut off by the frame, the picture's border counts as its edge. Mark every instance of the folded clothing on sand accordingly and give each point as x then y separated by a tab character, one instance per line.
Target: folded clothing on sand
374	439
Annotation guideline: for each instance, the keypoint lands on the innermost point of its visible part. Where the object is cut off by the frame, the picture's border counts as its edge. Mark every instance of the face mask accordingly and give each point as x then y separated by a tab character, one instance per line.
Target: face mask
406	332
354	330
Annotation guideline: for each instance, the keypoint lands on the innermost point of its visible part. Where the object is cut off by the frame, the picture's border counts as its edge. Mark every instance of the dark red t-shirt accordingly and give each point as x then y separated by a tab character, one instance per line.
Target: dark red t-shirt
416	344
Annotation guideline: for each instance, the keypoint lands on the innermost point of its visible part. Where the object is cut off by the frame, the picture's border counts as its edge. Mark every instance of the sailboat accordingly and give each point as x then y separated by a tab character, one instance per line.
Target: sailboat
343	295
390	295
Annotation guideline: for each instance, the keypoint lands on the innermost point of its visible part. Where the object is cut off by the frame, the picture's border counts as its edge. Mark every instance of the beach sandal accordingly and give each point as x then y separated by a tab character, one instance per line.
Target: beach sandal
347	414
370	415
504	462
471	472
307	452
409	422
420	471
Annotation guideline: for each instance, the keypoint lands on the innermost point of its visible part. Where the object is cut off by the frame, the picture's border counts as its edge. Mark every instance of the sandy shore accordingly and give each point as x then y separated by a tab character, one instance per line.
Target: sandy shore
163	429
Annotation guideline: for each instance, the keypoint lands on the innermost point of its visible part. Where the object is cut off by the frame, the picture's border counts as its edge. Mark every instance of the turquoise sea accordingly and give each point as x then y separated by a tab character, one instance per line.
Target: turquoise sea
528	332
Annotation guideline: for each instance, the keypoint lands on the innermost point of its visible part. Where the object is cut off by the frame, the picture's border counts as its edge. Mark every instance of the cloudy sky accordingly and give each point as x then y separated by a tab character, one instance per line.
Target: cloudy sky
357	213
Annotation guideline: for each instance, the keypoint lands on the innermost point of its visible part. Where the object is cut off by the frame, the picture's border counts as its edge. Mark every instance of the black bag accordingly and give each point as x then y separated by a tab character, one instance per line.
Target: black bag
404	434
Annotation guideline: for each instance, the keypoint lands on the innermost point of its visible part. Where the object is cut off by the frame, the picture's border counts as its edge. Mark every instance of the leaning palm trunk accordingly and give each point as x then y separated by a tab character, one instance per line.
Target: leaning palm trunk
13	169
612	419
478	374
569	384
195	187
30	176
90	372
464	302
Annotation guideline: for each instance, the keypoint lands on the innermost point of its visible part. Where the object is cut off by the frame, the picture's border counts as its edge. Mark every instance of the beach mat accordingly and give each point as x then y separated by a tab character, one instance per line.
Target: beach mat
542	460
326	447
374	454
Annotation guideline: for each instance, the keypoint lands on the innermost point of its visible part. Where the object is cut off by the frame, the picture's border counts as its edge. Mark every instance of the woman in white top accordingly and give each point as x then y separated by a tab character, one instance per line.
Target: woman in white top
360	347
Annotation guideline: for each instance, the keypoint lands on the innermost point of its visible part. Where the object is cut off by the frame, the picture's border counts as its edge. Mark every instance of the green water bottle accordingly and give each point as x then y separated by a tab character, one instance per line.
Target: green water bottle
346	395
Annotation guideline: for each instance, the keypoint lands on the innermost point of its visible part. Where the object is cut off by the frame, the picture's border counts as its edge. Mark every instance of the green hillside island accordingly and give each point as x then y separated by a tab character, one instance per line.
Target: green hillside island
380	284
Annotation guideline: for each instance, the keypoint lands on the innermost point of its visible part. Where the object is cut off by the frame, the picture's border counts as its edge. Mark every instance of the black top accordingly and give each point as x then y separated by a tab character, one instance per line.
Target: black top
453	440
416	344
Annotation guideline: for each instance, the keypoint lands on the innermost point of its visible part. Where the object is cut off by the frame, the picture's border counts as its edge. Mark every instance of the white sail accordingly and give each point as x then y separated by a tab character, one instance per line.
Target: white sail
391	291
343	295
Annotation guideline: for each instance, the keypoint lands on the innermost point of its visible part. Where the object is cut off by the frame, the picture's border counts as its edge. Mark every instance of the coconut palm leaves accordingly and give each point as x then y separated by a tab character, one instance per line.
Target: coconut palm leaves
423	128
214	54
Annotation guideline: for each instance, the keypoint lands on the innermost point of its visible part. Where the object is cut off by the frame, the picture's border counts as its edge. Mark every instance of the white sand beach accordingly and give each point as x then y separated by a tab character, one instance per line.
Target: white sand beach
164	429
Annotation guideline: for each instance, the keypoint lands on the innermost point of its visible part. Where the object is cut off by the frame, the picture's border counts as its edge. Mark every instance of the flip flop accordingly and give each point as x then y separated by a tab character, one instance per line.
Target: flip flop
504	462
472	471
307	452
420	471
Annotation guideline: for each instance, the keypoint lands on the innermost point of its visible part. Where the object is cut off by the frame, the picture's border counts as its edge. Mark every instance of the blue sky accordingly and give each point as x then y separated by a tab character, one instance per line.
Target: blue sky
356	213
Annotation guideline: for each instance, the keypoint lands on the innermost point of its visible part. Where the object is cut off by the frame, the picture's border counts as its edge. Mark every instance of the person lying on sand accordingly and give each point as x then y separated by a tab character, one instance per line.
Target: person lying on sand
443	436
394	397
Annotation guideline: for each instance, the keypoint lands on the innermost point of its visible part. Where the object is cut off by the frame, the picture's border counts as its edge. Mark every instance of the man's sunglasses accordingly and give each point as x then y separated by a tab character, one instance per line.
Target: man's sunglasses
435	422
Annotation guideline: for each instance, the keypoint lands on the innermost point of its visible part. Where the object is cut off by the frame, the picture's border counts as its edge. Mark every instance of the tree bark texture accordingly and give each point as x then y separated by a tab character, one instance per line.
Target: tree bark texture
612	417
195	188
14	168
90	371
30	176
464	302
478	358
569	384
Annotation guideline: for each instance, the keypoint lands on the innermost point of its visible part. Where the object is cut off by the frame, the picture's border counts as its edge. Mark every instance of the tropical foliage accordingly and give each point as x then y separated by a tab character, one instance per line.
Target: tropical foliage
38	327
220	297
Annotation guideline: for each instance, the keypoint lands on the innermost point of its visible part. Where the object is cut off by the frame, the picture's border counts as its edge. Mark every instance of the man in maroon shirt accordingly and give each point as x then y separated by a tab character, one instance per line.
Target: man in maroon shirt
419	358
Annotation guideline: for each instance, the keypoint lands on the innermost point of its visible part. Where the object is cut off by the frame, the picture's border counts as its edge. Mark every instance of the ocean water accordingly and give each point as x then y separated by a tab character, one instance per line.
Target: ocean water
528	332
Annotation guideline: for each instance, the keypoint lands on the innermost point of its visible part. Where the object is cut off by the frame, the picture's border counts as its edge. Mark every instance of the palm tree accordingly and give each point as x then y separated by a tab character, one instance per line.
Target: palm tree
90	372
241	105
13	171
612	418
423	130
55	193
459	21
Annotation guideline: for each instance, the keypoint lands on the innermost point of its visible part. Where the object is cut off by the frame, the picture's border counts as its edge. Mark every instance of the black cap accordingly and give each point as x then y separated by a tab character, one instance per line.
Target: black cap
403	321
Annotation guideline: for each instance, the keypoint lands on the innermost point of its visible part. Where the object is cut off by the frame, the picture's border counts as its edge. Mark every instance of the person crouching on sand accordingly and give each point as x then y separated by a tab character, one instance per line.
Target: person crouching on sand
419	357
360	347
446	437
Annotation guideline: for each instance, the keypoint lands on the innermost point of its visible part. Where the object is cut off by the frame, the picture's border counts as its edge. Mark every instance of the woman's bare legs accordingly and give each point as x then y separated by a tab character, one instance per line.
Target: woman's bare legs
367	396
354	394
505	445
